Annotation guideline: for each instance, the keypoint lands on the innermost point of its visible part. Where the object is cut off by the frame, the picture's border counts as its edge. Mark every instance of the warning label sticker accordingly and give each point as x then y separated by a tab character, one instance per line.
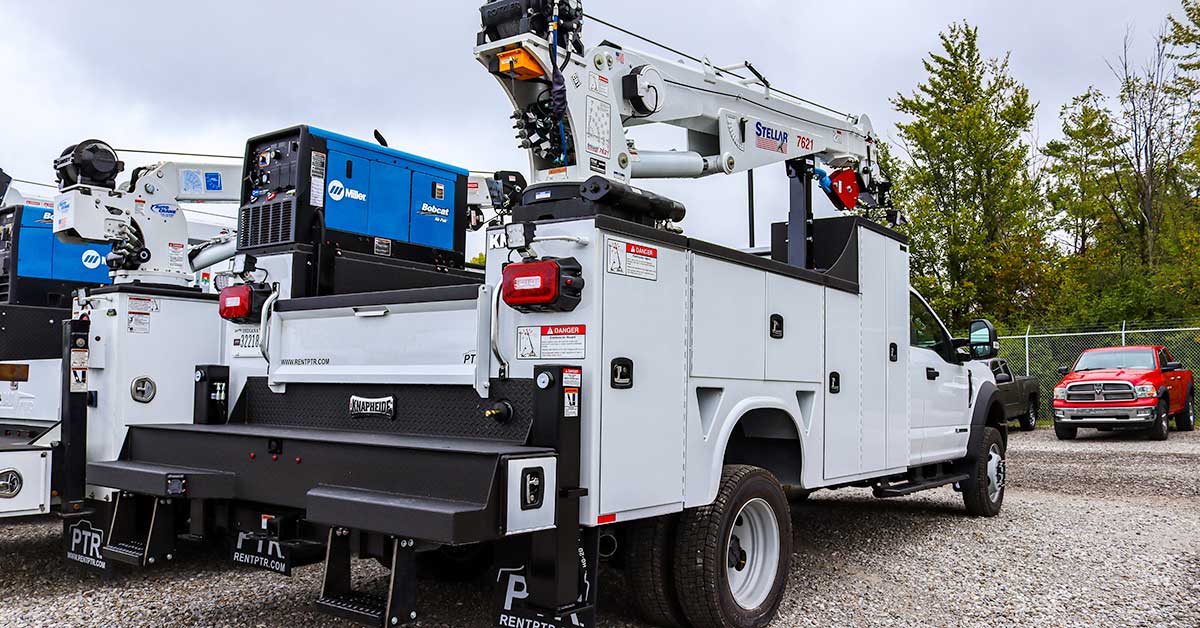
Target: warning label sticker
316	186
176	257
573	378
598	84
551	342
571	402
145	305
632	260
139	323
79	363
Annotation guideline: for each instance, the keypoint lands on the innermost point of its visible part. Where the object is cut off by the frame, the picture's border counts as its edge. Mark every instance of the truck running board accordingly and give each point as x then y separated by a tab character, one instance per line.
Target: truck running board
339	599
131	542
908	488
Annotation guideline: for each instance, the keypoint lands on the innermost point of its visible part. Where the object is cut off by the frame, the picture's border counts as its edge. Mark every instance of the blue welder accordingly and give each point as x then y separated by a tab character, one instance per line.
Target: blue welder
370	216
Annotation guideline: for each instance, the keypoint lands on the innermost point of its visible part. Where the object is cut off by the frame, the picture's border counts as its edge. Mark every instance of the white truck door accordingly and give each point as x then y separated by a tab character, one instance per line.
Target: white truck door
939	389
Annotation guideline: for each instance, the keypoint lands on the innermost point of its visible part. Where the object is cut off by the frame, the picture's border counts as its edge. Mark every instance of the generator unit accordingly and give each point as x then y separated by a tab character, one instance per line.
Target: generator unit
352	205
36	269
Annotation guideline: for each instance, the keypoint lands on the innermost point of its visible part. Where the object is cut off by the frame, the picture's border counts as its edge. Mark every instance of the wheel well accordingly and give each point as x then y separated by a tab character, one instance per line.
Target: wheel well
997	419
767	438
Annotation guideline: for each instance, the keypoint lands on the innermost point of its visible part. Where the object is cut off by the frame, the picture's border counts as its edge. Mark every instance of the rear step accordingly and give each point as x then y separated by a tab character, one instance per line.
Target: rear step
340	600
908	488
131	543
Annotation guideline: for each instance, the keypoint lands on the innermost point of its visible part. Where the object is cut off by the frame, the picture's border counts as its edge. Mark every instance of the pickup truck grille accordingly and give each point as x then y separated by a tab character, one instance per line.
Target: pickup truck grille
1097	392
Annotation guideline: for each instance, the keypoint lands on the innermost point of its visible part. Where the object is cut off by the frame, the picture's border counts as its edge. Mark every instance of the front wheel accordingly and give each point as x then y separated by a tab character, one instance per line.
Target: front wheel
983	492
1065	432
1162	421
733	556
1029	419
1186	420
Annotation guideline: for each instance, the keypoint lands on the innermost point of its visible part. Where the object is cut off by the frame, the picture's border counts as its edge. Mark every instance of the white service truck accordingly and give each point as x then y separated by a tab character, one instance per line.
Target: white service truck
610	385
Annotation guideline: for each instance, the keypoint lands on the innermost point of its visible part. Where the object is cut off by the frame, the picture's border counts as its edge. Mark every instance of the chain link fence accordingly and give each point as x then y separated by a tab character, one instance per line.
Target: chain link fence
1040	352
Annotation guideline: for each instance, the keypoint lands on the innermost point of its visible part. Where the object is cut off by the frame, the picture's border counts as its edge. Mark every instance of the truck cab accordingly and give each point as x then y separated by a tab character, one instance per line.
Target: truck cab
1138	388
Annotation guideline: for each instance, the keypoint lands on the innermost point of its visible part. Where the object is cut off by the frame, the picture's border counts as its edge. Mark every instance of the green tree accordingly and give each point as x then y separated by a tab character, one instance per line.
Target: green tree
976	216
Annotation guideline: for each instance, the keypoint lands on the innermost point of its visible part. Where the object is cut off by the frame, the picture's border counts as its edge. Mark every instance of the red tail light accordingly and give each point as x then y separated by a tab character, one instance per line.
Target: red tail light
548	285
243	304
236	302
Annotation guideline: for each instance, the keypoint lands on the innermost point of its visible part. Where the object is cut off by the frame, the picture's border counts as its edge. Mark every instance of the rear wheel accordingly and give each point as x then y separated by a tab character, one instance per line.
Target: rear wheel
650	571
1029	419
1185	421
1162	421
733	555
983	492
1065	432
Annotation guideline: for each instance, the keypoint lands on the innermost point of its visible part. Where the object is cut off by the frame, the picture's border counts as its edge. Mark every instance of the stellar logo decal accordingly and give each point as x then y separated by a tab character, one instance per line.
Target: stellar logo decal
85	545
364	408
338	191
10	483
772	139
92	259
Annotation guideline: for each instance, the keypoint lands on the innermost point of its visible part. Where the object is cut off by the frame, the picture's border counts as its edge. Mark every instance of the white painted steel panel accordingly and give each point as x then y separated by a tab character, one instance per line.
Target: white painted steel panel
33	468
872	277
729	320
642	430
843	410
800	355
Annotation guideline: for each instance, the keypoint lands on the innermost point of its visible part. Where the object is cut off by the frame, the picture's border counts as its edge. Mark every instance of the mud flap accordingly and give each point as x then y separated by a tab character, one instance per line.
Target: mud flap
85	533
511	587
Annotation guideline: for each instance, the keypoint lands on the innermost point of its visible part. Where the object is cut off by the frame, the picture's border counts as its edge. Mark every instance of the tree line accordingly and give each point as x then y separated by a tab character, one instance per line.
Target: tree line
1098	226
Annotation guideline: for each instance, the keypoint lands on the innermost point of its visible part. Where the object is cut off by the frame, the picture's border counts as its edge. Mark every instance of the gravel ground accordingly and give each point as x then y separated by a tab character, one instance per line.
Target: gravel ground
1102	531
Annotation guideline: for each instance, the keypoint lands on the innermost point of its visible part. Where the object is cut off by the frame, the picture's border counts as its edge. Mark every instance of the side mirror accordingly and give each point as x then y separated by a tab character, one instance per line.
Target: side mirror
1004	378
985	345
1064	370
1172	366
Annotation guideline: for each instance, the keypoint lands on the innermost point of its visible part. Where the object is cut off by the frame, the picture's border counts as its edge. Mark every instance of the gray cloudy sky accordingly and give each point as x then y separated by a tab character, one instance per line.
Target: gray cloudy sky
204	76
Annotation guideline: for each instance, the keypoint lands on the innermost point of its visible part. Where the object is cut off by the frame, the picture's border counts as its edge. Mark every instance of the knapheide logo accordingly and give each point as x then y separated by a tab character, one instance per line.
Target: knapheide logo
92	259
338	191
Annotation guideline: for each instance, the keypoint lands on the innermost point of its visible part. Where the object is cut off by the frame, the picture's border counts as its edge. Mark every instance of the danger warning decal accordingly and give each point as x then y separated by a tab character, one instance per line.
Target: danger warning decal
572	382
632	260
551	342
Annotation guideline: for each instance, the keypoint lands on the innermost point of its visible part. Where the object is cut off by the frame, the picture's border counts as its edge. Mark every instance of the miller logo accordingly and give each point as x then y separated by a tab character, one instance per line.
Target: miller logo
338	191
92	259
364	408
10	483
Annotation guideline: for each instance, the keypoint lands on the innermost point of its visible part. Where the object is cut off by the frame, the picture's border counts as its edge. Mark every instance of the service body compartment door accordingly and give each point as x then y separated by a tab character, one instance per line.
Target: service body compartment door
898	420
843	409
24	482
793	327
643	409
872	278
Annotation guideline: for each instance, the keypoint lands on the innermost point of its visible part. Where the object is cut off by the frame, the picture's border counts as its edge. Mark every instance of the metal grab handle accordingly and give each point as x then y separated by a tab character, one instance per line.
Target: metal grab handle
263	327
495	332
932	374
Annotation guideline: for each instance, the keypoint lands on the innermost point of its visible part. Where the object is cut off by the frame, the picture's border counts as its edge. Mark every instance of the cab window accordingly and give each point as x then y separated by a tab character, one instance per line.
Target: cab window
926	331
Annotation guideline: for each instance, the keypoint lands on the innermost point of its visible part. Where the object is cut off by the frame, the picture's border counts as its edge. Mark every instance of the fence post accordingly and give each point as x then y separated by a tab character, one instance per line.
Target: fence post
1123	333
1027	329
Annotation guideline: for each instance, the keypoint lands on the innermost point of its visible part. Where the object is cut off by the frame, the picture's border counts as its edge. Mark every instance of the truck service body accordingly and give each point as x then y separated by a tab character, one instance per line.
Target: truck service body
606	376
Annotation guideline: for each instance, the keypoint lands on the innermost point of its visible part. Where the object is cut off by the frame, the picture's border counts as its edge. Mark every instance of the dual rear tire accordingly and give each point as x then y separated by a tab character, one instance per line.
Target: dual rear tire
724	565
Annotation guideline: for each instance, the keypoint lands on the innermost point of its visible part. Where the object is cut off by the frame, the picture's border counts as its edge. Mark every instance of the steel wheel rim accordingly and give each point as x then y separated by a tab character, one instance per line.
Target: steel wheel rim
752	554
995	472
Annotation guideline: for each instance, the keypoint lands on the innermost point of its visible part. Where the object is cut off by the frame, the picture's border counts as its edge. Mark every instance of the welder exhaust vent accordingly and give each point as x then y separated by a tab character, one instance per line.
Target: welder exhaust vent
265	225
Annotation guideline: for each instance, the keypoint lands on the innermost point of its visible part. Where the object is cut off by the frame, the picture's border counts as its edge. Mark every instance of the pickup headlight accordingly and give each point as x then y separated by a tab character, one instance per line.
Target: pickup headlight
1060	394
1146	391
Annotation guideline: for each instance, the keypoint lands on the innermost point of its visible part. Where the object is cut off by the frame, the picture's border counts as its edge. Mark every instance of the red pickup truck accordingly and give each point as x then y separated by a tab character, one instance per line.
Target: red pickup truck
1124	388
